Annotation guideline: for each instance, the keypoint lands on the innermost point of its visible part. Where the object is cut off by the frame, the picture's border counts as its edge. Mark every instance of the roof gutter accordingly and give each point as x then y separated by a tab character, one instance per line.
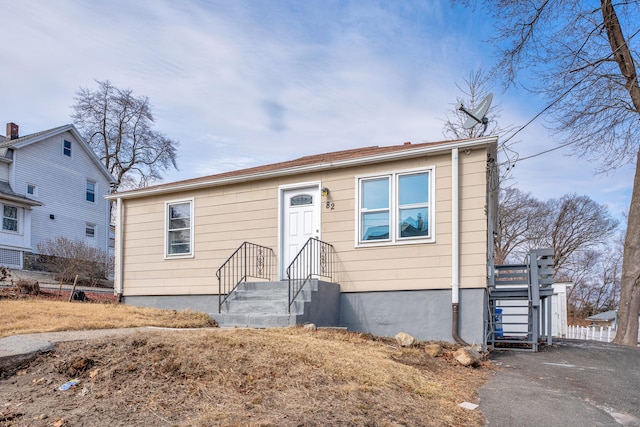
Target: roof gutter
214	182
20	200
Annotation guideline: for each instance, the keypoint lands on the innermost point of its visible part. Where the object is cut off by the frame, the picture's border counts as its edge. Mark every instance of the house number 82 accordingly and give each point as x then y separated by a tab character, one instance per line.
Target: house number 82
330	205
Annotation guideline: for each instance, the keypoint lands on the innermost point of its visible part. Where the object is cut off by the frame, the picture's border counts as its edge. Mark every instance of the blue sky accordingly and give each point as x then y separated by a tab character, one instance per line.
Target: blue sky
245	83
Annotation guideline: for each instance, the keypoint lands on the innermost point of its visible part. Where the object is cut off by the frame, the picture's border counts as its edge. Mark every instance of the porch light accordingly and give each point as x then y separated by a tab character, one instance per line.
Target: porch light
325	191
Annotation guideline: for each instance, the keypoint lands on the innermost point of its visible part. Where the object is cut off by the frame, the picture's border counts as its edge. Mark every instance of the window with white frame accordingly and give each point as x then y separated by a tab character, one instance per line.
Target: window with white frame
91	191
395	207
66	148
90	230
32	190
179	228
9	218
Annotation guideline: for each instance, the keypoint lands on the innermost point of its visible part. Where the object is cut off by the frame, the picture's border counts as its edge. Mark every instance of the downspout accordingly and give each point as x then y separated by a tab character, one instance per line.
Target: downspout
118	249
107	234
455	249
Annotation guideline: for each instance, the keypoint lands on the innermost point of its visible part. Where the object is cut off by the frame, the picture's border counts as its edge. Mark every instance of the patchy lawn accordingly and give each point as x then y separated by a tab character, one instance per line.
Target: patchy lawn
47	313
272	377
228	377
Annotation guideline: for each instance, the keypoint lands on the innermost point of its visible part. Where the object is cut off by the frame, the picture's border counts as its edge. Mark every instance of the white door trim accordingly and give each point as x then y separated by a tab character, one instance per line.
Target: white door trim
314	186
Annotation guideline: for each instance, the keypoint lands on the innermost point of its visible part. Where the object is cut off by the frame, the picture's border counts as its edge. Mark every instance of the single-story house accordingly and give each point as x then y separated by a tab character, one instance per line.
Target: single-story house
410	227
605	319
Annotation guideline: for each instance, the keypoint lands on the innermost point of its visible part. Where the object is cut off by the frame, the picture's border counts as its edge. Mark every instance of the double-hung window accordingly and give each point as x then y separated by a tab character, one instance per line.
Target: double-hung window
9	218
90	230
395	208
375	212
91	191
179	238
66	148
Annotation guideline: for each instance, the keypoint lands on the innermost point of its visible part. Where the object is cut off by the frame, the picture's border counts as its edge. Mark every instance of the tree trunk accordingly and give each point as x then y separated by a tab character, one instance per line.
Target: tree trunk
627	327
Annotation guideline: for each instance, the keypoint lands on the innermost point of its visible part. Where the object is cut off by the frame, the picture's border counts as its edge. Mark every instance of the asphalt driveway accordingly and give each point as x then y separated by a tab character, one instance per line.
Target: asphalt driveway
571	383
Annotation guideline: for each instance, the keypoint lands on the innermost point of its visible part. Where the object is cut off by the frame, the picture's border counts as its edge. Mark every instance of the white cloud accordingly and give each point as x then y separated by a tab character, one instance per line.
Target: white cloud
242	83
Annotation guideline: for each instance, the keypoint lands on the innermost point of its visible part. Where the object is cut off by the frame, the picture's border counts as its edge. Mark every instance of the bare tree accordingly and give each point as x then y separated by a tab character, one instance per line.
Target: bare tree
584	57
119	127
70	257
521	219
596	281
474	90
579	224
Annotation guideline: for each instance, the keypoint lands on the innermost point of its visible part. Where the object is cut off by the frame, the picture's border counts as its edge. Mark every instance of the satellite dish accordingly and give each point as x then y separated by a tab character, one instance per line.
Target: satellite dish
477	116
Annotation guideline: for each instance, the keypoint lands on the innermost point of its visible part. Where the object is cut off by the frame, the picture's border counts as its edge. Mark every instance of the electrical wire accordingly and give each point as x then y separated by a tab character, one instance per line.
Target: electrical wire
555	101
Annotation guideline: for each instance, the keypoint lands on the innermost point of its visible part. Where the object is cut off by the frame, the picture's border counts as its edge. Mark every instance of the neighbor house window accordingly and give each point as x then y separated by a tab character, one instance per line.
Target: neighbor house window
9	218
395	207
91	191
179	228
90	230
66	150
31	189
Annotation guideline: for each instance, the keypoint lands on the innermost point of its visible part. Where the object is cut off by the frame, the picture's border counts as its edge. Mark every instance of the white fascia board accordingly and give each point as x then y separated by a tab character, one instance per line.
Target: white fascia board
74	132
18	200
43	136
316	167
92	155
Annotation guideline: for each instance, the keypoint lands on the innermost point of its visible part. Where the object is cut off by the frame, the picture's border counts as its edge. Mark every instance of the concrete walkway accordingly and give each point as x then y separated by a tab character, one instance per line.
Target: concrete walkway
17	349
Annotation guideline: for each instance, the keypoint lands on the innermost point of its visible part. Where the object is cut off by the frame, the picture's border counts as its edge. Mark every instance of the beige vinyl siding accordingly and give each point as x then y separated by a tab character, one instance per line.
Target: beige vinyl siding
226	216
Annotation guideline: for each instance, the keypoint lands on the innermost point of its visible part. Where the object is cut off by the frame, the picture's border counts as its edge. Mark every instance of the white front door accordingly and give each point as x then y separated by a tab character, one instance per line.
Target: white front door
300	221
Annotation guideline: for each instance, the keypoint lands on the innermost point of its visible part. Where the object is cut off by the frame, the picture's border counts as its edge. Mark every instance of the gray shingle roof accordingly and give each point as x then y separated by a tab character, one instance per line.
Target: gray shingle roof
7	192
25	138
605	315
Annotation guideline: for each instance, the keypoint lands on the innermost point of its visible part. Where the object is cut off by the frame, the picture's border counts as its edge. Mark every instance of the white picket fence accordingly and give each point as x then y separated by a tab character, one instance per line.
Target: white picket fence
594	333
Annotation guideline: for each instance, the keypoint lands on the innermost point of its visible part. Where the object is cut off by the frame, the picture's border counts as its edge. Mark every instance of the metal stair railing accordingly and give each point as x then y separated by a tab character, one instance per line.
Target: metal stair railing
315	259
509	283
248	261
541	276
532	281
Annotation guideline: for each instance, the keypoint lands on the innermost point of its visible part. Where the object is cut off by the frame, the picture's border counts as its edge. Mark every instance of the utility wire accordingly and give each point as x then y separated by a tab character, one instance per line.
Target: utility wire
545	152
555	101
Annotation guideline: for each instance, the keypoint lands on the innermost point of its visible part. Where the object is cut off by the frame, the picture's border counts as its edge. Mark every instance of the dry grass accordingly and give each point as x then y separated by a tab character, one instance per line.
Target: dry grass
228	377
273	377
31	316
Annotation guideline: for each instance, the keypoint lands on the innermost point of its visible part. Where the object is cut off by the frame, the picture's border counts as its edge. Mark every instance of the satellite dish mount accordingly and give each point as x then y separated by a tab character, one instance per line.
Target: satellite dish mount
478	114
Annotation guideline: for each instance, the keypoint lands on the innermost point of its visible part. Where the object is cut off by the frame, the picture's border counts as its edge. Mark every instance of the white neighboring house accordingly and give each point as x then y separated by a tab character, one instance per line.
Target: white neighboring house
51	184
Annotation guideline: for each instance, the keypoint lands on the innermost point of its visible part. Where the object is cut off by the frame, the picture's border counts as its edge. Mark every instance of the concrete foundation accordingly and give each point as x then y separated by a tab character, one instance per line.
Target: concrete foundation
425	314
203	303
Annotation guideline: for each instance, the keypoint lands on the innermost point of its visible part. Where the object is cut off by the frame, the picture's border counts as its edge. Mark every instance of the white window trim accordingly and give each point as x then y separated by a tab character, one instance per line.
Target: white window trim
393	209
18	219
88	225
35	190
70	148
191	253
86	190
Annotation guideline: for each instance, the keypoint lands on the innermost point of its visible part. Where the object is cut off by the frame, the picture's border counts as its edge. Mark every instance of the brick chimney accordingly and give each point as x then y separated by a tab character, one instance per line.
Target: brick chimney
12	131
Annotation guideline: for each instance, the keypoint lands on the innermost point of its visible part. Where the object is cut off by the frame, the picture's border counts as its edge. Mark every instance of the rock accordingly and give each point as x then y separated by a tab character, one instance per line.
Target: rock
405	340
310	326
467	356
433	350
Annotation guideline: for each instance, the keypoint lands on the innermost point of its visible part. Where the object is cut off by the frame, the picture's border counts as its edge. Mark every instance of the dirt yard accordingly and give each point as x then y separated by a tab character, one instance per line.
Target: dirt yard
226	377
274	377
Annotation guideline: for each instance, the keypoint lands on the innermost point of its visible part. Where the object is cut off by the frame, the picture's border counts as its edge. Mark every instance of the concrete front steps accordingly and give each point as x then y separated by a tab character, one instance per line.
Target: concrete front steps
264	305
